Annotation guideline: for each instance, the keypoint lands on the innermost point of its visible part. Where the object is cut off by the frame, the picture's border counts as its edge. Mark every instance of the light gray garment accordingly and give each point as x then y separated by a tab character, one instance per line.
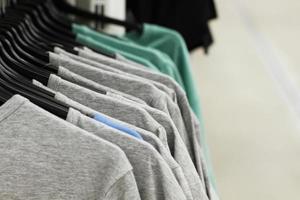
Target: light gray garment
96	64
178	149
115	108
147	136
164	103
153	96
153	176
45	157
145	91
87	83
191	122
189	137
64	72
133	114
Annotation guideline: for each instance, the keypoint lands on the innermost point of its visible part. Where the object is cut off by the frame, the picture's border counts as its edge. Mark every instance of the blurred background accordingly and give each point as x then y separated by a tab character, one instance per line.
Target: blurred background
249	85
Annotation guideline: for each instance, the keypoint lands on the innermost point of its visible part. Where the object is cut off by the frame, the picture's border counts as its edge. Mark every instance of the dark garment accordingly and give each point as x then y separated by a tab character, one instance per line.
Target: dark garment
189	17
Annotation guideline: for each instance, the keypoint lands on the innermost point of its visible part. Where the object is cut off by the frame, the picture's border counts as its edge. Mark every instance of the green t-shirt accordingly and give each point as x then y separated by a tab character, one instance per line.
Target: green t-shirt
131	51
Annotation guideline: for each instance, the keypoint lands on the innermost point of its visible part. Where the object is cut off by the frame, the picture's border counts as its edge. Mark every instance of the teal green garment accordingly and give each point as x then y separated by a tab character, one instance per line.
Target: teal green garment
133	51
171	42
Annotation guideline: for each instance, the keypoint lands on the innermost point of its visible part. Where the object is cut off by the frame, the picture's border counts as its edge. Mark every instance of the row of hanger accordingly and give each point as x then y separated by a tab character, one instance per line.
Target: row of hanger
29	29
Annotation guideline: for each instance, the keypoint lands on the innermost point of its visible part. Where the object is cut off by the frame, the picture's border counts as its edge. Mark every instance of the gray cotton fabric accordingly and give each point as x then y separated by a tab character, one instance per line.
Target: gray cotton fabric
82	81
45	157
119	82
145	91
133	114
70	76
153	176
147	136
96	64
110	106
178	148
191	122
163	102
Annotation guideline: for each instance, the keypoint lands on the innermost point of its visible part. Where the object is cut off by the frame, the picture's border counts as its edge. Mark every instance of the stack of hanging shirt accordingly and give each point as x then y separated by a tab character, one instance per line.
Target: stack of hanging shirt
131	132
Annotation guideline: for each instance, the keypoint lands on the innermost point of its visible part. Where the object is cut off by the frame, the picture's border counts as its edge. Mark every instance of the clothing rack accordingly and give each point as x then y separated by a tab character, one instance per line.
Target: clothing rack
79	124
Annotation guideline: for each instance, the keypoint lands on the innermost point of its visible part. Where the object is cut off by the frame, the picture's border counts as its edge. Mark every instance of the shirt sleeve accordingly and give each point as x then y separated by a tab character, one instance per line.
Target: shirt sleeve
125	188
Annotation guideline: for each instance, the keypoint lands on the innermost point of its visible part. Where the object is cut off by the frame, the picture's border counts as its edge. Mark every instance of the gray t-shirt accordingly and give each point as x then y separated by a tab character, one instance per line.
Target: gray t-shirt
153	96
190	121
147	136
45	157
178	148
143	90
110	106
154	178
87	83
133	114
184	123
96	64
80	80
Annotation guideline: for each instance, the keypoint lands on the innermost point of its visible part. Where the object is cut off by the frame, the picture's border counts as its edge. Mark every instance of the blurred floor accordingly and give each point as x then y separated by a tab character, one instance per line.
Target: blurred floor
250	91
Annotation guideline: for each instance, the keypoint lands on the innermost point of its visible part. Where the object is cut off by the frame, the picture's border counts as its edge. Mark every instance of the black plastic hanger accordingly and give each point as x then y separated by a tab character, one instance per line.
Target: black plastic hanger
51	106
9	84
22	50
23	82
37	20
37	32
4	96
12	34
48	18
69	47
10	47
20	67
45	6
26	33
